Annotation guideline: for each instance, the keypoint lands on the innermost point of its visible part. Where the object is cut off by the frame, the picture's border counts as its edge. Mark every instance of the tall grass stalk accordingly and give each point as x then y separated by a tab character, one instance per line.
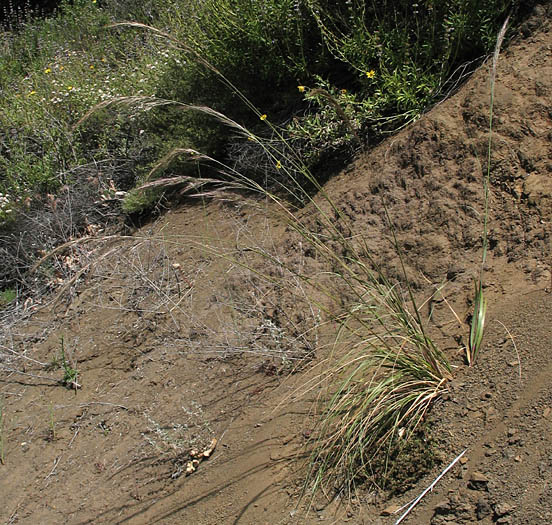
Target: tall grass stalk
2	435
477	326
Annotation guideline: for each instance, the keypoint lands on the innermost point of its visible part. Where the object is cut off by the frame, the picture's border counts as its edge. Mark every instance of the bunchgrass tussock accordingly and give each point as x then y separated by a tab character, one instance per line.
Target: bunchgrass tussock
379	393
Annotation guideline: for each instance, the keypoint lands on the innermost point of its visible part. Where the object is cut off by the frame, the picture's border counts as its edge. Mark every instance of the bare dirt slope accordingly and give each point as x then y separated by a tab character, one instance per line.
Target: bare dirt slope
177	347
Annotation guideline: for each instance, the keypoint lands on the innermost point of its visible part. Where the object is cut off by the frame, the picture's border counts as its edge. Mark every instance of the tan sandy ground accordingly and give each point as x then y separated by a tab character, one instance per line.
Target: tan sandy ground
176	346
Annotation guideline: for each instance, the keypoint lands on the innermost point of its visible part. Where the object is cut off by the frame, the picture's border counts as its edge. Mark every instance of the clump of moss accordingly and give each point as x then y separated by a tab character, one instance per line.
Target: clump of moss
409	461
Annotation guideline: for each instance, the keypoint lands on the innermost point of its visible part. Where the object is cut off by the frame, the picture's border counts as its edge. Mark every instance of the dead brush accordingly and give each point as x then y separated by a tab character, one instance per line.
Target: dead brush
146	276
44	224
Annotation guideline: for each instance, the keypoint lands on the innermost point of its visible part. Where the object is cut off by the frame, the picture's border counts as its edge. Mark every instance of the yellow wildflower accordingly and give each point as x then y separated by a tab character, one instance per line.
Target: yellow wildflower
69	88
263	116
33	92
47	70
91	66
371	73
301	89
104	59
278	165
343	91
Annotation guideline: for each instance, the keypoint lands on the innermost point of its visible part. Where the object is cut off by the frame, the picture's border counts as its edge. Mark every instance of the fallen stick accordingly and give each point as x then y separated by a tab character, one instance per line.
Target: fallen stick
430	488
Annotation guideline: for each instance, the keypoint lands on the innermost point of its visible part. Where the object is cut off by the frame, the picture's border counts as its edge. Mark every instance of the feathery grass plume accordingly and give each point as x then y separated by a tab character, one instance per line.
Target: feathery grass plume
477	326
292	188
381	392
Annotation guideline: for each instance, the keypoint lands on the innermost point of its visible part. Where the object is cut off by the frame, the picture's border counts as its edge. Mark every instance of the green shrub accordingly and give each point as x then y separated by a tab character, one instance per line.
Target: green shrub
393	59
138	201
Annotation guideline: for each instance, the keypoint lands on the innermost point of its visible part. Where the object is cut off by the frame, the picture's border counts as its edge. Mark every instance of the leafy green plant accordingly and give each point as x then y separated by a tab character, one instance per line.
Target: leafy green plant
402	54
138	200
70	374
477	325
7	296
334	126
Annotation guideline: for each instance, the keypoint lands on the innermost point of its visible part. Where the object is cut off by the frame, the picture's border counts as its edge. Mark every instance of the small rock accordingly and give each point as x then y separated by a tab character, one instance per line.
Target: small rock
546	412
454	498
478	477
501	509
463	508
463	460
478	481
391	509
482	509
443	507
513	363
512	432
476	414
